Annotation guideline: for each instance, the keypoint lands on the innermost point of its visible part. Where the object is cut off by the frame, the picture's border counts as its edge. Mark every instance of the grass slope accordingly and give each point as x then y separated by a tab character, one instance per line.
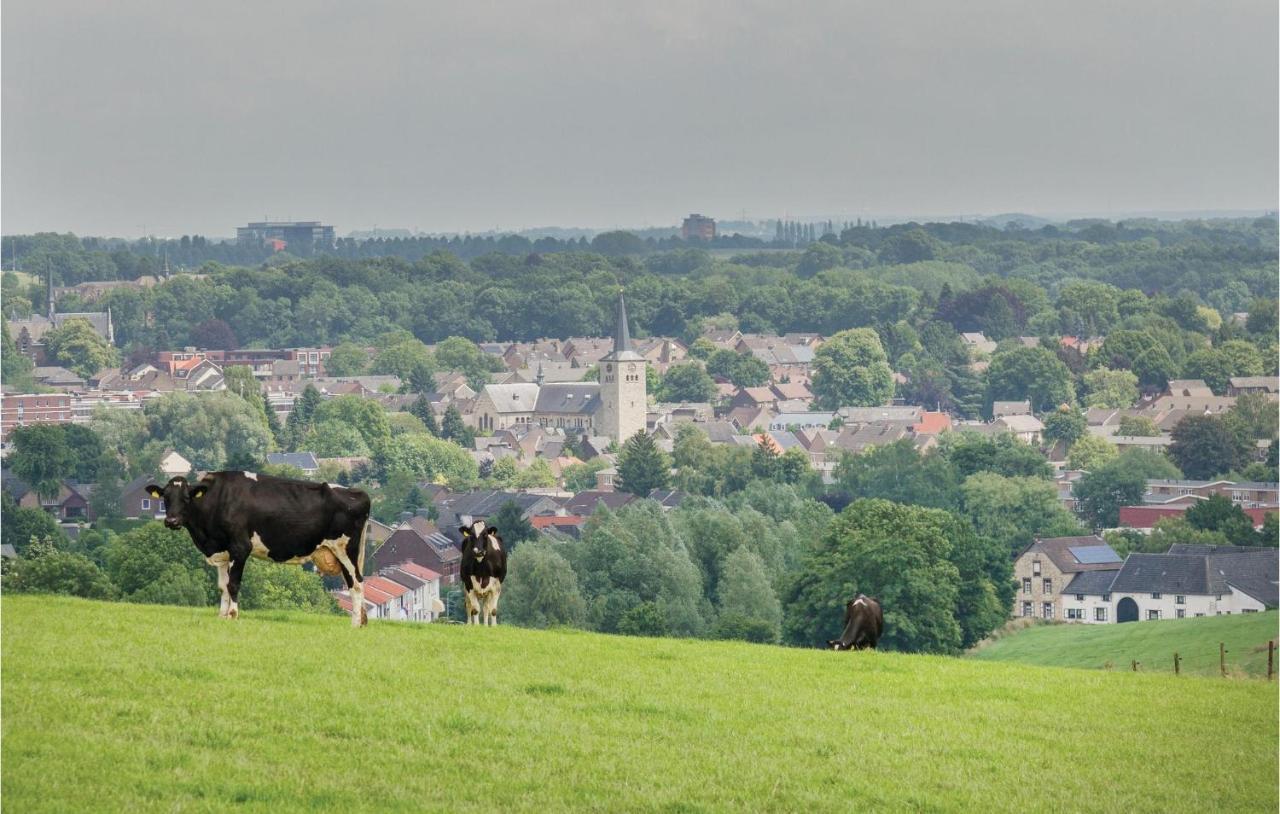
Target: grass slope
113	707
1151	643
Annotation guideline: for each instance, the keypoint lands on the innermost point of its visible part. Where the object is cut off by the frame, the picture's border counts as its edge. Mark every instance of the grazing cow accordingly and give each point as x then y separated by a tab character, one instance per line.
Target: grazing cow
863	624
484	567
232	516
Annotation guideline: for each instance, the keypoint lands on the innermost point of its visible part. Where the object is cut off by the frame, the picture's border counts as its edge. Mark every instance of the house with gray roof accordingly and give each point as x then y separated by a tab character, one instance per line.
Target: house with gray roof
1187	581
306	461
1044	570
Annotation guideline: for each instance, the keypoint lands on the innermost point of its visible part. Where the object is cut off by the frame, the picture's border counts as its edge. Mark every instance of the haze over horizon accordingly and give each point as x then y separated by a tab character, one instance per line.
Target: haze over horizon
141	116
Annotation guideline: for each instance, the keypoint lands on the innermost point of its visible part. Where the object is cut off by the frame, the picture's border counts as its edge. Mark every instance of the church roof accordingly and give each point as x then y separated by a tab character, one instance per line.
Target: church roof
577	398
623	351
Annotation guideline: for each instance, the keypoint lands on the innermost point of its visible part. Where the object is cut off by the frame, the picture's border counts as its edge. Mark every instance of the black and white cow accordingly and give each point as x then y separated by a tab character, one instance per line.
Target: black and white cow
233	516
484	567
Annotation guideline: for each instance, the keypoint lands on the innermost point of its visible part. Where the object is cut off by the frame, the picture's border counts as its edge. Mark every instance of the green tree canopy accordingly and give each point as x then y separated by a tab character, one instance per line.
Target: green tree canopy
42	457
1035	374
642	466
541	589
1115	389
45	569
78	347
851	369
429	458
1205	446
748	607
687	382
1120	481
898	554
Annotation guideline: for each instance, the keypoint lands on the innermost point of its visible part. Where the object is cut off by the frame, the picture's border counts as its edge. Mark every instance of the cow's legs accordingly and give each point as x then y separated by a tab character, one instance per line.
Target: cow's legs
473	608
355	585
222	561
234	573
224	578
491	604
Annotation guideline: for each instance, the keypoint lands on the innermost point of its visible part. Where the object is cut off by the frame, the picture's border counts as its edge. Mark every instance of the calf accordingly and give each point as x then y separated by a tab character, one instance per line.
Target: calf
484	567
863	624
232	516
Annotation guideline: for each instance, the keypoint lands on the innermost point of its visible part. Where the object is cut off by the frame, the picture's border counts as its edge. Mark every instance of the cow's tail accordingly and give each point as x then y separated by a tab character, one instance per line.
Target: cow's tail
364	541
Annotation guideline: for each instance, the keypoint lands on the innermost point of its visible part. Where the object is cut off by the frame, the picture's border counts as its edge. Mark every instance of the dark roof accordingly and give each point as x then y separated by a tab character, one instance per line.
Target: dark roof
576	398
1094	583
15	486
668	498
1251	571
584	503
403	577
1059	550
305	461
1165	573
1193	548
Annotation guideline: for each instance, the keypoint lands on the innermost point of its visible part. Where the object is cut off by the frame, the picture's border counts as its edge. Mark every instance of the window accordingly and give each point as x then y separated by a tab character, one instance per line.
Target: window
1035	568
1048	586
1153	614
1249	610
1026	585
1198	615
1155	595
1048	610
146	504
1181	613
1100	614
1179	599
1079	597
1026	609
1075	613
160	506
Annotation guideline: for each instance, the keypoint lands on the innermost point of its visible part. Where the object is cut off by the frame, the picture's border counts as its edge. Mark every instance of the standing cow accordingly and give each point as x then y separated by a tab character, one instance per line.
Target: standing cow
233	516
863	625
484	567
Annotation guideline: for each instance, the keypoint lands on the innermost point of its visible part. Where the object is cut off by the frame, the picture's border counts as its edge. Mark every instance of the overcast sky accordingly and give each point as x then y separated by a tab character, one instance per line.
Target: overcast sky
194	117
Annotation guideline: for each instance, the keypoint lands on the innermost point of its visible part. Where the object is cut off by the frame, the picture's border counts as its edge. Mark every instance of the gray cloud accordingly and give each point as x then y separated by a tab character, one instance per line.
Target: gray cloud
194	117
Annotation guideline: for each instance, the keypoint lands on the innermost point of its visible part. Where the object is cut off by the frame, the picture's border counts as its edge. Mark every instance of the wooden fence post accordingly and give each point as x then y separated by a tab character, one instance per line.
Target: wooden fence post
1271	659
1177	668
1222	658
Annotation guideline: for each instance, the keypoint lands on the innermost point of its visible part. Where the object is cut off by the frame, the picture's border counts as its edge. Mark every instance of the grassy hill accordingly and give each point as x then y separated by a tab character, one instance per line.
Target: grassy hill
113	707
1151	643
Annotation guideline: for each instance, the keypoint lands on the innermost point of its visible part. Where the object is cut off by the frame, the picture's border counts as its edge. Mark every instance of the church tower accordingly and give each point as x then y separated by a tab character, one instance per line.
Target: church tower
623	400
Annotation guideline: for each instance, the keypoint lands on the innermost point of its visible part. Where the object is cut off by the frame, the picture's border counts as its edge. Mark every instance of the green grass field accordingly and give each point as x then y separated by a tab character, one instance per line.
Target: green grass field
1150	643
113	707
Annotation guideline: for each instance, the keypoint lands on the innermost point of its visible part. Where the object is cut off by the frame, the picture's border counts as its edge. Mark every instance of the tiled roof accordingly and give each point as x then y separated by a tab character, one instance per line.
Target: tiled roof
1093	583
579	398
419	571
1058	550
1163	573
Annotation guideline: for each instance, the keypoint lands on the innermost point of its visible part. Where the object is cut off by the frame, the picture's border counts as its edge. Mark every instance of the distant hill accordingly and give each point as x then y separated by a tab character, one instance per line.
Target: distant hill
1151	643
116	707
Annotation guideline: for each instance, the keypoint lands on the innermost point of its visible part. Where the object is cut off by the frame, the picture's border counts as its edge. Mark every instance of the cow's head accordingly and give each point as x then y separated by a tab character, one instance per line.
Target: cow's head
178	496
473	539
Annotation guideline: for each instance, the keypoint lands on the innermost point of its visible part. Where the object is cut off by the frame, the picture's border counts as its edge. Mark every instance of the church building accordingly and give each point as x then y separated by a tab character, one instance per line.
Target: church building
614	407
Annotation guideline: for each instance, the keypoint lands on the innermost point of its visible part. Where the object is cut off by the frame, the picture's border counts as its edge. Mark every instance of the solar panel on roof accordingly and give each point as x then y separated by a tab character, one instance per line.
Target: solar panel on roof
1094	554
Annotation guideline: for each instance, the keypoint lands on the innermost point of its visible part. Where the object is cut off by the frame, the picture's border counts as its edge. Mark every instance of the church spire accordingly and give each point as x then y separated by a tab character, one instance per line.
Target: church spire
621	332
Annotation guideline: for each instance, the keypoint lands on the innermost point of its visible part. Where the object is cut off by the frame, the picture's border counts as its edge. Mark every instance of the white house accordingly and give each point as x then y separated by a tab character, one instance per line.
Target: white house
1188	581
173	465
422	602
